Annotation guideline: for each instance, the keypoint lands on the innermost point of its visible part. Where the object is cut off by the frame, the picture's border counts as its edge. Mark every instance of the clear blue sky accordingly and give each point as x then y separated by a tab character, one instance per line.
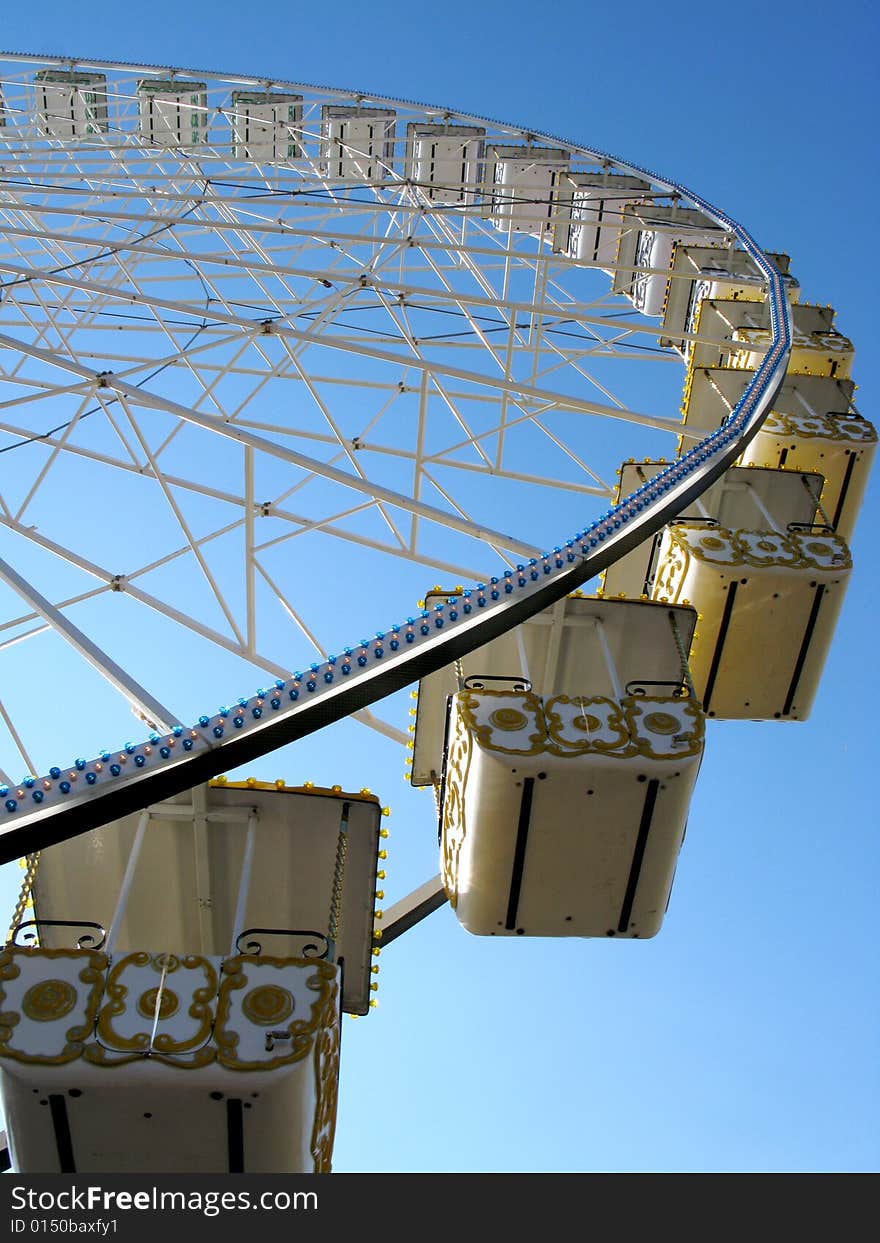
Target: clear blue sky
745	1036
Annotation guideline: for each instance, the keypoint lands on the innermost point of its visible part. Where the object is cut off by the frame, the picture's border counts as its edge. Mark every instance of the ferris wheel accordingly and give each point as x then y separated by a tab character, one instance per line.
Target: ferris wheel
275	358
259	335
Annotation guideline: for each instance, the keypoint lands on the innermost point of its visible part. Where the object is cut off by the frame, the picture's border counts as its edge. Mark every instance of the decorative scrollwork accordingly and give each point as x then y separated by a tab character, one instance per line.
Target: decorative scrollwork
822	528
314	944
85	941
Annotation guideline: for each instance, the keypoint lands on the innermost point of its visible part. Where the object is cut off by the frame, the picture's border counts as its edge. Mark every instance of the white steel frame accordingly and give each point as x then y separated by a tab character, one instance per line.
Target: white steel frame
261	307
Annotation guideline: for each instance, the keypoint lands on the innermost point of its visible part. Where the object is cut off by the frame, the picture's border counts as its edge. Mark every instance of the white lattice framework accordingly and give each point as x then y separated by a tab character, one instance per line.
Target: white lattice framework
239	397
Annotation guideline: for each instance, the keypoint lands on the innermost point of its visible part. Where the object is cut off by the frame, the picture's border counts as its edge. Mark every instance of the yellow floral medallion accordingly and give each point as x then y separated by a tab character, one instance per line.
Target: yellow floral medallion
508	718
168	1005
48	1000
662	723
268	1004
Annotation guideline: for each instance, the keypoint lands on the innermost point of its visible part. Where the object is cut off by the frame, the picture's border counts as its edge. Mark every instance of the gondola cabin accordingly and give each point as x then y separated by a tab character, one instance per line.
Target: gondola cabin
172	1002
565	754
445	162
814	426
716	272
732	332
70	103
521	183
266	126
650	233
823	352
838	445
172	112
711	392
767	577
357	143
588	218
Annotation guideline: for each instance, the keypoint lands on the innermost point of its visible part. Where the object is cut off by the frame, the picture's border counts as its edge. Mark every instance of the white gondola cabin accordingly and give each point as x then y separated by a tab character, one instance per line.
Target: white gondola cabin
521	186
643	266
732	332
766	577
711	393
813	427
173	112
818	352
70	104
589	214
266	126
357	142
721	273
173	1001
445	162
565	754
839	446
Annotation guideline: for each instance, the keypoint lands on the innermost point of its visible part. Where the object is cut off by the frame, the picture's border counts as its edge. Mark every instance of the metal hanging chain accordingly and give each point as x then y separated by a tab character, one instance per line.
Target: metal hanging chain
682	655
26	887
815	498
338	882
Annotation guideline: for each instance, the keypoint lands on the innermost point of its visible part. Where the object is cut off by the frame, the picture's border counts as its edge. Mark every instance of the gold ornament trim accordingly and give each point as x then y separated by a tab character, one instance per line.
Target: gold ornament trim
558	743
92	975
267	1005
795	551
326	1065
818	427
164	1045
688	734
661	723
169	1004
459	754
301	1031
467	702
48	1000
631	738
508	719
